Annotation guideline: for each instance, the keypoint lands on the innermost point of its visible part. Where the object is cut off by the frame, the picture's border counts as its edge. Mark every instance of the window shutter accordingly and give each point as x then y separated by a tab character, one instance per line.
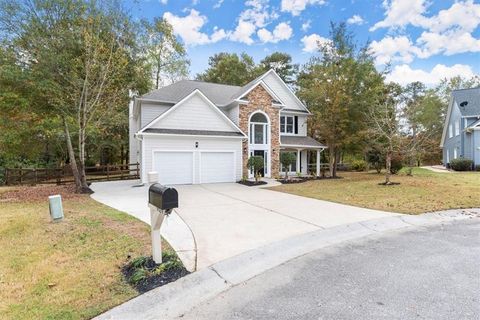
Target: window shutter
296	124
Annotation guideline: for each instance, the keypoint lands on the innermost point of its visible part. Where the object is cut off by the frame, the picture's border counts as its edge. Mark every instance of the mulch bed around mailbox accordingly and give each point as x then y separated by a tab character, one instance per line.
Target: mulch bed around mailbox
148	275
249	183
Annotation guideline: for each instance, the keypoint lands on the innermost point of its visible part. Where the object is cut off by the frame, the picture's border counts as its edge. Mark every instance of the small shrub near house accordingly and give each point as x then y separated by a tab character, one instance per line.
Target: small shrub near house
461	164
359	165
477	167
397	163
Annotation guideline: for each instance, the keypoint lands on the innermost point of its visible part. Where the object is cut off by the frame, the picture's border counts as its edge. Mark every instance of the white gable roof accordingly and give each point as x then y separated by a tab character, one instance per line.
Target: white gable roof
194	112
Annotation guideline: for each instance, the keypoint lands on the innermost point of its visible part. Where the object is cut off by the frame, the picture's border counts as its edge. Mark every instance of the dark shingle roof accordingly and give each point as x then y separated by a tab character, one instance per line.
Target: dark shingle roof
472	96
194	132
295	141
219	94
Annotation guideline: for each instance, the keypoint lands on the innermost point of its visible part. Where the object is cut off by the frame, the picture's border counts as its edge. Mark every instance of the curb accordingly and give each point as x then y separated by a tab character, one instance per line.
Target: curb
176	298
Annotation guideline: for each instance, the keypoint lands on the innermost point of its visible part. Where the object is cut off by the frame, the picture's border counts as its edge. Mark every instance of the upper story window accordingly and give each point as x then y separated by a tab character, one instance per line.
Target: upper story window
457	127
450	131
258	129
288	125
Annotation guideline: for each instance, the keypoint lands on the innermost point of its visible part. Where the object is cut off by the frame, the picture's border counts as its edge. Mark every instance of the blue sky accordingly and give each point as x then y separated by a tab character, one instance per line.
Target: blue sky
423	40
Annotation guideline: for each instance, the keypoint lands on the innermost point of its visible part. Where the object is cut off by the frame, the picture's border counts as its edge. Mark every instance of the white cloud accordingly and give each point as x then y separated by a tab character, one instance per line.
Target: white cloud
189	26
311	42
282	31
163	1
295	7
403	74
448	43
243	32
258	15
218	4
448	32
356	19
400	13
392	49
306	25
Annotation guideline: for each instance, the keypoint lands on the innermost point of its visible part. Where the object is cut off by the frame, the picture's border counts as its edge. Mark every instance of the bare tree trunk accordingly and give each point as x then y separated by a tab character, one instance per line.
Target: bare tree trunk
71	155
333	161
388	172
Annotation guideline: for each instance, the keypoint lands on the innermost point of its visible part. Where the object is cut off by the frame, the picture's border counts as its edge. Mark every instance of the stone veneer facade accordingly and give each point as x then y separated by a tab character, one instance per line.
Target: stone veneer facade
260	99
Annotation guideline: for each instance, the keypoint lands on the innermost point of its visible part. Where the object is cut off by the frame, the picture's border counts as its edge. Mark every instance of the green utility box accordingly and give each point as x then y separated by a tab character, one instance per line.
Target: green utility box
56	208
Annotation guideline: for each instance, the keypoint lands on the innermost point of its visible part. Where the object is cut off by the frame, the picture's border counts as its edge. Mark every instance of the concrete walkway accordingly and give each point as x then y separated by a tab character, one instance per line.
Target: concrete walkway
437	168
228	219
176	299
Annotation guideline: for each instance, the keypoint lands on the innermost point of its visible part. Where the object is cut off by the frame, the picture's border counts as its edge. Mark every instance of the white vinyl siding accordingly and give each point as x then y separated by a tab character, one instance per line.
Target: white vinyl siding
173	143
457	127
150	111
287	97
233	114
194	114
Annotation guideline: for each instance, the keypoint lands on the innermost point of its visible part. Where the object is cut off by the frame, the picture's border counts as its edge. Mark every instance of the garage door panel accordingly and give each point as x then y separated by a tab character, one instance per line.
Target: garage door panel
174	167
217	167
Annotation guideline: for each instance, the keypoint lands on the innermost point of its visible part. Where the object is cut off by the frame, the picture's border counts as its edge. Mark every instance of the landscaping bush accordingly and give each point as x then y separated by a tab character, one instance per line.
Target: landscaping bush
477	167
256	164
359	165
376	159
397	164
461	164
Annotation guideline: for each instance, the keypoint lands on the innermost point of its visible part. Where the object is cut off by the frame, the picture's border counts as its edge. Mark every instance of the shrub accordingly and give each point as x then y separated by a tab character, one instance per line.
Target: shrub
477	167
376	159
461	164
359	165
397	164
287	159
256	163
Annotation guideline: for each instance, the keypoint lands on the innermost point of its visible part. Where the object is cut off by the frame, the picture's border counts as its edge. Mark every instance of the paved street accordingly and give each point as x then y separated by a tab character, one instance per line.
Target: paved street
425	273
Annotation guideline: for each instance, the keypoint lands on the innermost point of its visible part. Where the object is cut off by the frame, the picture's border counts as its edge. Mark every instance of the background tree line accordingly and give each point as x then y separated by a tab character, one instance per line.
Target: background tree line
68	69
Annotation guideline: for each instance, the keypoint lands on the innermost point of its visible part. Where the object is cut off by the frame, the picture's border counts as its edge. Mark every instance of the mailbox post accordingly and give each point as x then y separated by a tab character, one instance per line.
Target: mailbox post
161	201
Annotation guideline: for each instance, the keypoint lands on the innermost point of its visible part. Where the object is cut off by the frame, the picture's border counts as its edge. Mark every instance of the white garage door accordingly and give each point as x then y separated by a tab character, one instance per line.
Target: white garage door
174	167
217	167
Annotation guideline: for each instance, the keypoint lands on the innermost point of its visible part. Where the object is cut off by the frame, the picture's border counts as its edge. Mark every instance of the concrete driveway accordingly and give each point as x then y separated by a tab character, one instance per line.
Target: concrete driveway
228	218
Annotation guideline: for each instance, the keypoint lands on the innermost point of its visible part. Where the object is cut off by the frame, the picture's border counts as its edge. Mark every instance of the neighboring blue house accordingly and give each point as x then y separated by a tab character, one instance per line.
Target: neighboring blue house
461	132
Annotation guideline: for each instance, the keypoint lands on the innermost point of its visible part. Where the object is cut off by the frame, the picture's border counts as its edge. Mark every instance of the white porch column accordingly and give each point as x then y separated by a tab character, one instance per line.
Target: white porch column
298	160
318	163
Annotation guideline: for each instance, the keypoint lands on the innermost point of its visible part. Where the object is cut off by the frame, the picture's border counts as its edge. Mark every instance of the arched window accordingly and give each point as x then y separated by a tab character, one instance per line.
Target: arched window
259	129
259	117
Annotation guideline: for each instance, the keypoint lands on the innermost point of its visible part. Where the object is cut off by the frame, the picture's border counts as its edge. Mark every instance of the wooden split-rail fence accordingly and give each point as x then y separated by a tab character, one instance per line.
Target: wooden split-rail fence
63	175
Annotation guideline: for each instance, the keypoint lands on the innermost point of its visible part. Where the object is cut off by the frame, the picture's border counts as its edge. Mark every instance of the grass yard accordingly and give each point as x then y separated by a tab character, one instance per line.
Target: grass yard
423	192
65	270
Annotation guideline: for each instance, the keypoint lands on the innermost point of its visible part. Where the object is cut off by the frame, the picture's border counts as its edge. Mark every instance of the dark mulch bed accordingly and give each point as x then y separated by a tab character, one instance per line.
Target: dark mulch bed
249	183
143	276
389	184
38	193
304	179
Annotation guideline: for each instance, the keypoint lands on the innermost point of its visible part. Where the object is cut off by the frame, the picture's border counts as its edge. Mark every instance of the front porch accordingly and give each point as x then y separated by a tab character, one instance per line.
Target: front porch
307	152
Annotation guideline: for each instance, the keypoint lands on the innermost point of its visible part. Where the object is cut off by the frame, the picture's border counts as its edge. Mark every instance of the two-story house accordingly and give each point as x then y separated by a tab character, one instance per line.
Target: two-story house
461	132
197	132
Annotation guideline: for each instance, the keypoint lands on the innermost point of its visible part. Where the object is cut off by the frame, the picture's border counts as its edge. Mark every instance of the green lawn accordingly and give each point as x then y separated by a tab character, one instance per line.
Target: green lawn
423	192
65	270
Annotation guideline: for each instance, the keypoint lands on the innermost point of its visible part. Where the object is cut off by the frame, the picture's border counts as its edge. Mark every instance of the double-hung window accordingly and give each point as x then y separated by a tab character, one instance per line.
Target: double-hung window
287	124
